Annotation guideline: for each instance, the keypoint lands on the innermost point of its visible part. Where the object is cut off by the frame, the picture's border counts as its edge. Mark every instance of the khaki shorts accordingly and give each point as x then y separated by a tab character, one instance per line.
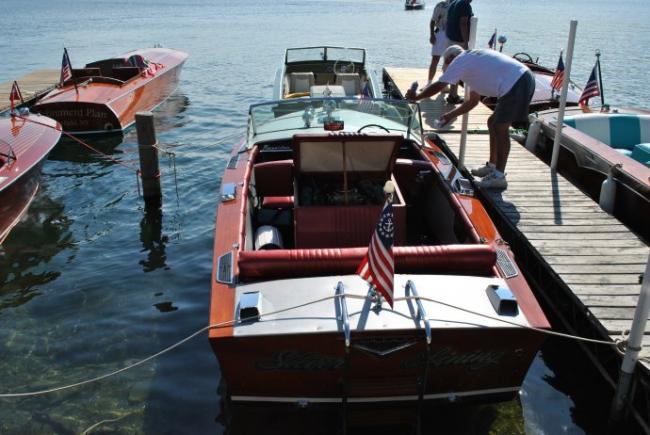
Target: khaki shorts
514	105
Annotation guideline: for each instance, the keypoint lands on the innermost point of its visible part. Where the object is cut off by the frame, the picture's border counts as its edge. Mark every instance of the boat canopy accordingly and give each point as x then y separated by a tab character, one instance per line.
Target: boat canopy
311	54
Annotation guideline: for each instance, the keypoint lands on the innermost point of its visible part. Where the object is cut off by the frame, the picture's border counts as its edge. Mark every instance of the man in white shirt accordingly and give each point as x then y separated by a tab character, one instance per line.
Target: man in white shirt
491	74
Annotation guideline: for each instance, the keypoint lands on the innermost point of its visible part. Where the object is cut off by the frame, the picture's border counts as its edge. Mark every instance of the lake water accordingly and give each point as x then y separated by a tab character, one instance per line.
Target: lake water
89	283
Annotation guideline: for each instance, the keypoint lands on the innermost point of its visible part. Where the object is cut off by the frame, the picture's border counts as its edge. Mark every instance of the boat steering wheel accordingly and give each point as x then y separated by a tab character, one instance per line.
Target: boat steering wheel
523	57
373	125
344	67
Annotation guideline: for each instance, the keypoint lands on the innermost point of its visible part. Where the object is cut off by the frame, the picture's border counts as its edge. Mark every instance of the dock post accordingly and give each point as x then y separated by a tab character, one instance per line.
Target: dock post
149	167
463	133
563	94
633	347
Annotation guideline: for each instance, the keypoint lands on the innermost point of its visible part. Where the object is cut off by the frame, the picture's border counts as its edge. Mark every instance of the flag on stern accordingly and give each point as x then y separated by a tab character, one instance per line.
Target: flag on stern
558	77
591	89
377	267
492	43
15	95
66	68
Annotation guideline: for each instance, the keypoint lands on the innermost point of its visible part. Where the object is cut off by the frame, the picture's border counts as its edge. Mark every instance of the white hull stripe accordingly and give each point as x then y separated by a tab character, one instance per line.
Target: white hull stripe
451	395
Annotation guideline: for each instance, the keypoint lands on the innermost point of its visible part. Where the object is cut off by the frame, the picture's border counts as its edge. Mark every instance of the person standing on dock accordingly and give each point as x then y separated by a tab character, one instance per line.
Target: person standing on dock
492	74
437	36
459	14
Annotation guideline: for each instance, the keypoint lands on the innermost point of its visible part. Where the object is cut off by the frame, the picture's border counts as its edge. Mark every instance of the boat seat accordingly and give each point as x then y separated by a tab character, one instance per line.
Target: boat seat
641	153
125	73
274	184
475	260
351	82
301	82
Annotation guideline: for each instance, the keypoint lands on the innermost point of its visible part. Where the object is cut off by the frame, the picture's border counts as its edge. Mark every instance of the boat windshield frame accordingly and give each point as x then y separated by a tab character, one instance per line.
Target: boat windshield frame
325	54
404	113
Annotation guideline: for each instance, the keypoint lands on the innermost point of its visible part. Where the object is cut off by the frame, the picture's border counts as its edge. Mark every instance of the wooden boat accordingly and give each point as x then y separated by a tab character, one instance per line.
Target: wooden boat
325	71
411	5
544	97
25	142
594	145
300	199
105	95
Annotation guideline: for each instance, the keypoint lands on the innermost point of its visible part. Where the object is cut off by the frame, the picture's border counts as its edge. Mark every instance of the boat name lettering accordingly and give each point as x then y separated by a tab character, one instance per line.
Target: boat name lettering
294	360
472	361
88	112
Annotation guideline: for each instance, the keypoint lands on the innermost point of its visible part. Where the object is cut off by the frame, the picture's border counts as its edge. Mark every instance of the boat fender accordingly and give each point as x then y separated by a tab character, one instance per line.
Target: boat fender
533	135
607	197
268	237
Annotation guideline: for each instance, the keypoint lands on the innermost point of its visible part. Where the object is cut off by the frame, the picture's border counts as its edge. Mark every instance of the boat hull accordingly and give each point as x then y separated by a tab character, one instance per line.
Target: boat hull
477	364
15	200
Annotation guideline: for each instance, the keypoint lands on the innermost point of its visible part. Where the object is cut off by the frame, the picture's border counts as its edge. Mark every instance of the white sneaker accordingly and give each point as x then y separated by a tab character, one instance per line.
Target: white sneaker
482	171
493	181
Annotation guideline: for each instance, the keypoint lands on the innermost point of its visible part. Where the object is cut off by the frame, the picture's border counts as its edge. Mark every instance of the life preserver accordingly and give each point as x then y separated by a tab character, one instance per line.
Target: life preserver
296	95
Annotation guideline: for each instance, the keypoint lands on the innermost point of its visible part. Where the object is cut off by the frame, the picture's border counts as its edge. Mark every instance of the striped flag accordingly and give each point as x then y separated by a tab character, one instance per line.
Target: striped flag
15	95
492	43
66	68
591	89
377	267
558	77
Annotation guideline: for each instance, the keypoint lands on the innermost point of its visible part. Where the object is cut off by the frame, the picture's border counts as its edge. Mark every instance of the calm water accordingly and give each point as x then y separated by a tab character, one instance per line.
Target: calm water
90	283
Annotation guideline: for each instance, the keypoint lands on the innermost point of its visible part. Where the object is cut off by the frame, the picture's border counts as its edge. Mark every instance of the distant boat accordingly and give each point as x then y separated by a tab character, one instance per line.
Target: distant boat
25	143
325	71
105	95
413	5
293	322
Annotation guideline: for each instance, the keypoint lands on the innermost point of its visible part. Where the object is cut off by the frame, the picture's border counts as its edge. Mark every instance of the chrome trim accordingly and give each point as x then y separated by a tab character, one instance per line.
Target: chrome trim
343	307
450	396
228	192
384	352
225	268
232	163
249	308
422	315
505	264
463	186
503	300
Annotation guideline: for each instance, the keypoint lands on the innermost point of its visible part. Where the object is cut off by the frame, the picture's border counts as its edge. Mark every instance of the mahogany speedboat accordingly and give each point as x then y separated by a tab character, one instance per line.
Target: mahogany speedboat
104	96
25	142
325	71
292	322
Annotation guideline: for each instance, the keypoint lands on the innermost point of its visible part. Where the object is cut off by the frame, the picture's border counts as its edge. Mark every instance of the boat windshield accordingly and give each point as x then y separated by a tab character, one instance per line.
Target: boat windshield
352	114
307	54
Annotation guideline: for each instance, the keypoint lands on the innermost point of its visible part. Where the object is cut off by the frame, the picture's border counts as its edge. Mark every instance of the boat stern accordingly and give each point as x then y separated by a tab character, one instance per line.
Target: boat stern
81	117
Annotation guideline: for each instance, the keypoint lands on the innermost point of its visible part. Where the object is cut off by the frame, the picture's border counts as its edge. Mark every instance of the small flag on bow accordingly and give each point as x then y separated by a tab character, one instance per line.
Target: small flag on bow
377	267
66	68
591	89
558	77
15	95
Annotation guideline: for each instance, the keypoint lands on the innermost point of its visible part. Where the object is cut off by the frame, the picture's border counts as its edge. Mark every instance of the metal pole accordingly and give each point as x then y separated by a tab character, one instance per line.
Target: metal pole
563	94
633	347
463	134
149	167
600	80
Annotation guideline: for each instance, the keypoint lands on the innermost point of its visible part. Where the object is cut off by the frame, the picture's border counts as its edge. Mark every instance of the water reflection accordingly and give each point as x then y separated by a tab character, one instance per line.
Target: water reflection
153	242
69	150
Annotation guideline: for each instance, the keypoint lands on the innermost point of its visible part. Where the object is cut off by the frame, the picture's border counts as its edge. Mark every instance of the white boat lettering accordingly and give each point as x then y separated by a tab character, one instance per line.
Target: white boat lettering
294	360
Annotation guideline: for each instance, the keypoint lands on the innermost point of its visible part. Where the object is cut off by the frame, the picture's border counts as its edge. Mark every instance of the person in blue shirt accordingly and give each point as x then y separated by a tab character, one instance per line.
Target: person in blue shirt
457	31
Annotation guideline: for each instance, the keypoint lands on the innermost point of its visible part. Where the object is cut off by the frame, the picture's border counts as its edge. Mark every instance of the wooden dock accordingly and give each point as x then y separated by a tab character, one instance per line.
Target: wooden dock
32	86
587	254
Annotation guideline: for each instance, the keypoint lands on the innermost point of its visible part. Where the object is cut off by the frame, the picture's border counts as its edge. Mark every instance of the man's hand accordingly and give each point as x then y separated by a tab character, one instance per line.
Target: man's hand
410	95
432	39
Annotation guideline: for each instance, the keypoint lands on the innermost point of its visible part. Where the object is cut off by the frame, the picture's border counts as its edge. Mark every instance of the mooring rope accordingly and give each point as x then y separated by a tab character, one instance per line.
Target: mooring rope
616	344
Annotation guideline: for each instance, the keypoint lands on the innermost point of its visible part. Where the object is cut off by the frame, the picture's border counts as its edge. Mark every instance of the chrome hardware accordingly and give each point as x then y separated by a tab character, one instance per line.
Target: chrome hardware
228	192
224	268
502	299
463	186
232	163
250	306
343	308
422	315
505	264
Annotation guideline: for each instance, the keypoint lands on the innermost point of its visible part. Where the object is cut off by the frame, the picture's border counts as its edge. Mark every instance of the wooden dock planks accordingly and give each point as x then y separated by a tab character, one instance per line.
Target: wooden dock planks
32	86
596	256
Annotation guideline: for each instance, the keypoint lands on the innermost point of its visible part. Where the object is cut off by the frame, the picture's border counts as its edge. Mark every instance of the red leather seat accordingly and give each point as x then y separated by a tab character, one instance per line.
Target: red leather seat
292	263
274	183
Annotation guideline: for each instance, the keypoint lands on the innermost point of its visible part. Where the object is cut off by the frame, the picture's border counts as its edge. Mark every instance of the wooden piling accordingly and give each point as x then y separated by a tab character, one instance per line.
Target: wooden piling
149	167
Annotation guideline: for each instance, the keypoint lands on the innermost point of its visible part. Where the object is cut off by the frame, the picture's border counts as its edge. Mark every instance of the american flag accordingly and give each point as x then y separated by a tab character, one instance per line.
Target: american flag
377	267
66	68
15	95
492	43
591	89
558	77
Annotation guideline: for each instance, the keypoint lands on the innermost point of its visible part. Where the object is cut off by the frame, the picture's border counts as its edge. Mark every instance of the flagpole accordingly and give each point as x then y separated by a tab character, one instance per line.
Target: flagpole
473	23
74	81
563	94
600	80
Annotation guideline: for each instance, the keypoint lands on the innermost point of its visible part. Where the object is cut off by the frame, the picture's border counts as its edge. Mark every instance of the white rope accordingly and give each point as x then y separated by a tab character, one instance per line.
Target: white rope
231	322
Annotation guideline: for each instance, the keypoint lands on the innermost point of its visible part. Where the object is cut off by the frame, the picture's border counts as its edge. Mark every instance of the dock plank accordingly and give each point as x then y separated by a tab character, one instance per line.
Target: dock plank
32	86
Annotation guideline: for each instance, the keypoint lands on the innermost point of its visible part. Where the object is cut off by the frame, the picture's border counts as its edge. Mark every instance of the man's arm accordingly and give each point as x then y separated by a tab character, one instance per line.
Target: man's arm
468	105
428	91
432	31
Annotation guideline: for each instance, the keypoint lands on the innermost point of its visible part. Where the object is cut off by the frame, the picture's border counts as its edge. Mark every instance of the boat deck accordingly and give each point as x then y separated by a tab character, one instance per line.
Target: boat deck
32	86
588	254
